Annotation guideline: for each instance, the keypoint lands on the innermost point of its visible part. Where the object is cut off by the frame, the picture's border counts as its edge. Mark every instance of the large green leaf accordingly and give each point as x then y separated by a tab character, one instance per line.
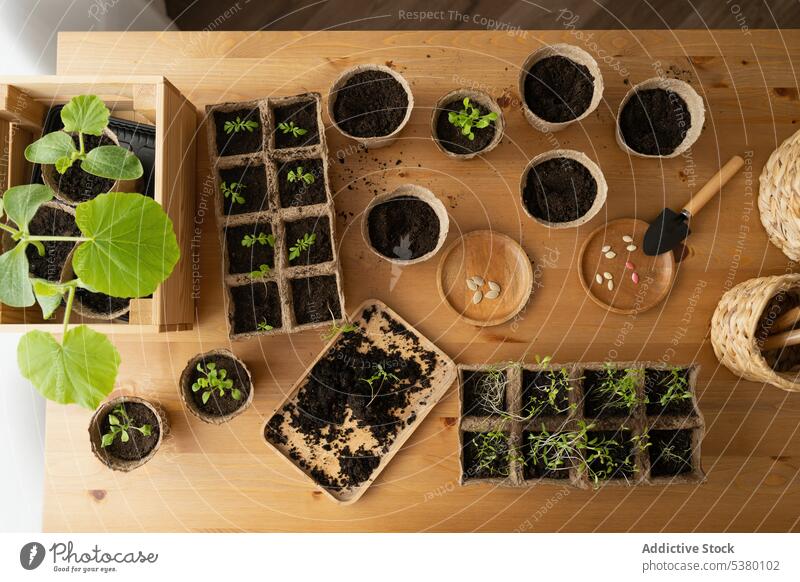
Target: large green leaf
132	247
15	285
50	148
22	202
85	113
82	369
112	162
48	295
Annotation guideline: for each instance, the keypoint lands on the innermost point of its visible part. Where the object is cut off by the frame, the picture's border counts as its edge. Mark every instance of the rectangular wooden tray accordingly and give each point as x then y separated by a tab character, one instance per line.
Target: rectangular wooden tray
376	320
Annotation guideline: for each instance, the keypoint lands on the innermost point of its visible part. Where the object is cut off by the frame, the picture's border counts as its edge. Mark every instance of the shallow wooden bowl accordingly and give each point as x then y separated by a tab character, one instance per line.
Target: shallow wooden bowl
656	274
495	257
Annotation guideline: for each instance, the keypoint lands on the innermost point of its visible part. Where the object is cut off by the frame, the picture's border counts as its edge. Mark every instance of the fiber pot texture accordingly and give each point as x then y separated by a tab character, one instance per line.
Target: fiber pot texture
778	195
378	141
96	432
575	54
408	191
694	106
737	326
594	170
475	97
236	370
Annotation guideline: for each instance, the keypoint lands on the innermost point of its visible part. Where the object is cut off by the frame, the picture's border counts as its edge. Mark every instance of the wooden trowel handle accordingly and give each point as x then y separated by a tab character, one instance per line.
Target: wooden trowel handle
714	185
782	340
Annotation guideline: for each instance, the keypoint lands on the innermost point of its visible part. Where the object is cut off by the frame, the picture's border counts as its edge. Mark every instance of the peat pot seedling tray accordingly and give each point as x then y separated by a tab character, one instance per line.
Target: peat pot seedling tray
502	405
359	401
273	188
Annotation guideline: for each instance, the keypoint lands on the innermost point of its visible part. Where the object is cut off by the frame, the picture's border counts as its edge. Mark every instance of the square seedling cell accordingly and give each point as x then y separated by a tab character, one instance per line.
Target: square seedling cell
610	392
487	455
250	248
484	392
610	456
668	392
239	131
308	241
547	455
670	452
244	189
315	299
256	307
546	393
301	182
296	124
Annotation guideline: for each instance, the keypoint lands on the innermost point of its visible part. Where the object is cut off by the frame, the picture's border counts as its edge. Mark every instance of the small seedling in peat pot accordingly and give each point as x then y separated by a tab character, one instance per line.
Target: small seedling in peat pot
677	388
613	391
302	244
546	391
380	377
261	238
298	175
336	329
292	128
214	380
470	117
120	426
490	455
233	191
492	387
262	271
238	125
264	326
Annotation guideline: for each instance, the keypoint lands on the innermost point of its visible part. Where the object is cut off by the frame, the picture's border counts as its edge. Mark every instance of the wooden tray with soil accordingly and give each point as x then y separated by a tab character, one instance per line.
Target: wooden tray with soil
359	401
276	220
452	116
586	425
216	386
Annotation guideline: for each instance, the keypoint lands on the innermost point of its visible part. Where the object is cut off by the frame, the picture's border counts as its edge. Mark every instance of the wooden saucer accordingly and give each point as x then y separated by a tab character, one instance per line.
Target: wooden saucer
656	274
494	257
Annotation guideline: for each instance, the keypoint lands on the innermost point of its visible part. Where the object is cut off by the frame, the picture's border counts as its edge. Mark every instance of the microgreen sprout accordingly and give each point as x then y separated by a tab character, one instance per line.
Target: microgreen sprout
618	393
239	125
548	396
262	271
299	175
290	127
378	379
121	425
492	386
302	244
214	380
261	238
233	191
669	454
493	449
677	388
470	117
264	326
336	329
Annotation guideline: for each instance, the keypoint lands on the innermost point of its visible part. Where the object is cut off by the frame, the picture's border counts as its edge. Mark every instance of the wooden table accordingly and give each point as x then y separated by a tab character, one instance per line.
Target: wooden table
212	478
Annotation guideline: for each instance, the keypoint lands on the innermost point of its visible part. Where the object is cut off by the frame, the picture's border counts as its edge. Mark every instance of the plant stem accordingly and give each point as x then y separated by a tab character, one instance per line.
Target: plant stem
68	308
7	228
80	141
57	238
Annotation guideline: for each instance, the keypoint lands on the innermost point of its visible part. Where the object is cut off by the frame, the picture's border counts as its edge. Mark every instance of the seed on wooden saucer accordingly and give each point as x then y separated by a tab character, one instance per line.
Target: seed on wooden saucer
627	238
492	294
610	285
635	278
598	278
608	275
605	249
494	286
478	280
630	266
473	286
477	297
611	254
630	248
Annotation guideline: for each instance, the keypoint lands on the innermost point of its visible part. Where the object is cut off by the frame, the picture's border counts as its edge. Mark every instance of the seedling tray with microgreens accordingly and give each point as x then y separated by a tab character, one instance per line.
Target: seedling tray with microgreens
359	401
584	424
275	214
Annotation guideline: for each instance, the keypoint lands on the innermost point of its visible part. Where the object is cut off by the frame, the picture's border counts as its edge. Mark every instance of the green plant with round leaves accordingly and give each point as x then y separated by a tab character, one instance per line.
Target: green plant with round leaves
470	117
126	248
121	425
84	115
214	379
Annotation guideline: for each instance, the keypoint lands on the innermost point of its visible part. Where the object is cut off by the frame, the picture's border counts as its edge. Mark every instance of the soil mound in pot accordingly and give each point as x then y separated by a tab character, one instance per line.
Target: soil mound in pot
559	190
558	89
370	104
50	221
403	228
450	136
100	303
654	121
220	405
80	186
138	445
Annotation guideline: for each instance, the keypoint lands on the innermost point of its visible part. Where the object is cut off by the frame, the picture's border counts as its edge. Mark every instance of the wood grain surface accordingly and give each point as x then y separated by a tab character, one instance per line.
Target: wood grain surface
209	478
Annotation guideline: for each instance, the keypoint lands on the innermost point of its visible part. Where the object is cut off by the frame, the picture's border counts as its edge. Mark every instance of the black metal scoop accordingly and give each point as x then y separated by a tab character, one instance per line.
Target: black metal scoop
670	228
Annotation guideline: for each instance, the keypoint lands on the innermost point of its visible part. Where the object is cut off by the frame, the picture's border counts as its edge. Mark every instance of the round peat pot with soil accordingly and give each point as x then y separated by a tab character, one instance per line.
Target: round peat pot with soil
559	84
480	116
125	432
562	189
370	104
406	226
216	386
660	118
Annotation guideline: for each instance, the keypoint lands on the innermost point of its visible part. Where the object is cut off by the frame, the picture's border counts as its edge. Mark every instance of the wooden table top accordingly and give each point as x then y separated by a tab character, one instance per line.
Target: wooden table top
210	478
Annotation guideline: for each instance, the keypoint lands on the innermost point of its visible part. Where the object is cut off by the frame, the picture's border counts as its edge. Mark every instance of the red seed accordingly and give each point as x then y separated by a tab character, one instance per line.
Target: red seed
630	266
635	278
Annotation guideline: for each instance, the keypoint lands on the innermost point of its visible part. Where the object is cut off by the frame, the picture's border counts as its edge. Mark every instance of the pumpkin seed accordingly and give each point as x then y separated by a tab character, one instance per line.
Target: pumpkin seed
605	249
610	285
627	238
611	254
599	279
478	280
472	285
492	294
630	248
494	286
608	275
477	297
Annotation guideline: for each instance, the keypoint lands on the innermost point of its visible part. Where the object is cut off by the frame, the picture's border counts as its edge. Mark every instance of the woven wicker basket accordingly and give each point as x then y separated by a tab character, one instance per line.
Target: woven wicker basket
741	321
779	197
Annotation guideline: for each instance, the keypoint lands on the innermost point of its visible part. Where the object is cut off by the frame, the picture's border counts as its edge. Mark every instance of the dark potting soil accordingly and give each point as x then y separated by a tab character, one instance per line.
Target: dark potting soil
559	190
595	405
253	304
304	116
239	142
403	228
138	445
450	136
319	252
558	89
80	186
254	189
535	393
298	193
315	298
474	403
654	121
370	104
219	405
242	259
474	465
676	442
536	469
656	384
618	468
100	303
50	221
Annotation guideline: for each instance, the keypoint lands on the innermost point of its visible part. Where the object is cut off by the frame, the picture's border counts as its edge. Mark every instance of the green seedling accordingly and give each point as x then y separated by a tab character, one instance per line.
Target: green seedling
302	244
290	127
298	175
618	393
470	117
336	329
264	326
542	397
492	448
84	115
214	380
669	454
239	125
261	238
492	387
121	426
262	271
677	388
379	378
233	191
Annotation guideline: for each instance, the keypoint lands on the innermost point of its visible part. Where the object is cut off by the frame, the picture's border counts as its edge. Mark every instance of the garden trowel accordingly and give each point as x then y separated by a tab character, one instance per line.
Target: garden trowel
670	228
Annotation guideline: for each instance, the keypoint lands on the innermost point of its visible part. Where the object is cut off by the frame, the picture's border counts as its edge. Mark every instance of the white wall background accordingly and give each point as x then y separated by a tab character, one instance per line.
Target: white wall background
29	29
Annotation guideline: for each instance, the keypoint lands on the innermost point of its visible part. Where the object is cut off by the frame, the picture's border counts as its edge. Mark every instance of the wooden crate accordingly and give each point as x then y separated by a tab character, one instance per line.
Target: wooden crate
24	102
